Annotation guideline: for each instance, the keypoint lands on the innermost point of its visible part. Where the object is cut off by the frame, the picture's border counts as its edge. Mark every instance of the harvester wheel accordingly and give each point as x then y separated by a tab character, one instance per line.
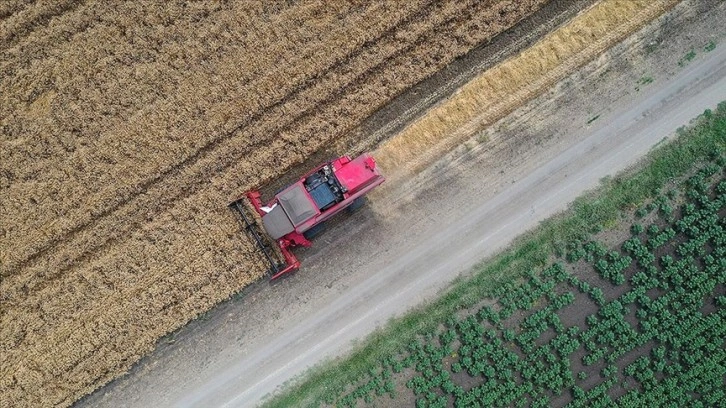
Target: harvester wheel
314	231
356	205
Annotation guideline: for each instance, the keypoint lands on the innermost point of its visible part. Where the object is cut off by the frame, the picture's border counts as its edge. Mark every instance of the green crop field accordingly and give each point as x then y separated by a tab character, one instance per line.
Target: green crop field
622	300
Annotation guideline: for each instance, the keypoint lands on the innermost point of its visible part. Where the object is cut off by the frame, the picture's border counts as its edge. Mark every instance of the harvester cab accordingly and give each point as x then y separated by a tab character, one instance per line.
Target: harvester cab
298	212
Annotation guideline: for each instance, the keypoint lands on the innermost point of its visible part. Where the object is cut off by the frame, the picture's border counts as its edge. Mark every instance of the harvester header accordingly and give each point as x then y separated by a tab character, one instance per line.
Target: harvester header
298	212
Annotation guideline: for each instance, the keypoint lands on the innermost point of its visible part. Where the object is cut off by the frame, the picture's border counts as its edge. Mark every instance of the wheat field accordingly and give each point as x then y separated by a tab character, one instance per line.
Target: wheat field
126	127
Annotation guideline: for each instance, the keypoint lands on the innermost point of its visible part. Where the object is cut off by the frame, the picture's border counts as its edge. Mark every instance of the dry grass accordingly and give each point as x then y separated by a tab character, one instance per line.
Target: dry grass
501	89
126	128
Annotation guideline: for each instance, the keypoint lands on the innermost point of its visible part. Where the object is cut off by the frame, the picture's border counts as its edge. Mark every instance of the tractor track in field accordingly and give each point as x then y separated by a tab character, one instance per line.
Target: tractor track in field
217	162
242	348
202	153
410	104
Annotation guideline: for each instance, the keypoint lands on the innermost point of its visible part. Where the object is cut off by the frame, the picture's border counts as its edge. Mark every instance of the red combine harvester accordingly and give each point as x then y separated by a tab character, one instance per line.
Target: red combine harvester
298	211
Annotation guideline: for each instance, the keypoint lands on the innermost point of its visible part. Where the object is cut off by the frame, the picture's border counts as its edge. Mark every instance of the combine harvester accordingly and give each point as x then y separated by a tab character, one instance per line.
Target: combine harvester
297	213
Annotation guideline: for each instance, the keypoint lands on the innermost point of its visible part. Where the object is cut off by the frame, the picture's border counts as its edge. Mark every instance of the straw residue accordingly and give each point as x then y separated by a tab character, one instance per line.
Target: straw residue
499	90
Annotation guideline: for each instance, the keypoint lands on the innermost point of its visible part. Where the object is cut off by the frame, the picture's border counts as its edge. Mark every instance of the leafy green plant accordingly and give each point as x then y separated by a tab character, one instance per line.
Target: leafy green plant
644	80
690	55
710	46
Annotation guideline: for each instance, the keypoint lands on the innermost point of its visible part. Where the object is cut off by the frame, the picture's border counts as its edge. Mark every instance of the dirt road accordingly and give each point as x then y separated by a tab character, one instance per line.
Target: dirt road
400	252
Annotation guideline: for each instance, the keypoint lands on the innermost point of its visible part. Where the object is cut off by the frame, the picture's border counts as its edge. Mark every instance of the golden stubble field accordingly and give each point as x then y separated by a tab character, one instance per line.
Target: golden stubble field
127	127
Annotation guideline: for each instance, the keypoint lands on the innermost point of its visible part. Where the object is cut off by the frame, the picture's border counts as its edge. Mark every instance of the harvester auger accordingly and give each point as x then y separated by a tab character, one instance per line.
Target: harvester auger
298	212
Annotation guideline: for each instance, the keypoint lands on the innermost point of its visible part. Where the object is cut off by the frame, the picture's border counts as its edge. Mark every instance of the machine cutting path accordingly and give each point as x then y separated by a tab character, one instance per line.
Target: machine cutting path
400	252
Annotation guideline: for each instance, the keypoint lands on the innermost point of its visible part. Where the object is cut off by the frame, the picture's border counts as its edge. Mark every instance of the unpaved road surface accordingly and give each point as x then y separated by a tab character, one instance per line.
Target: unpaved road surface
411	242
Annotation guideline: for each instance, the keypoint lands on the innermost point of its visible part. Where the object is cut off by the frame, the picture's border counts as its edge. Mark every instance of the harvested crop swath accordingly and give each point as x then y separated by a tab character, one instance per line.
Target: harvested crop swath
498	91
127	127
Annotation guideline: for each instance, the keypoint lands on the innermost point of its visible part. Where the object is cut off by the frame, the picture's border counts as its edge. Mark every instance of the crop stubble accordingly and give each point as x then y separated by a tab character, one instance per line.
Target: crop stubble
127	127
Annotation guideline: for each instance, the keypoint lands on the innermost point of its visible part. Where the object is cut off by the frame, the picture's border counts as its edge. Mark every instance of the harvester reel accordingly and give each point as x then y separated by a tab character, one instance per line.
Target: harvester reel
253	230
